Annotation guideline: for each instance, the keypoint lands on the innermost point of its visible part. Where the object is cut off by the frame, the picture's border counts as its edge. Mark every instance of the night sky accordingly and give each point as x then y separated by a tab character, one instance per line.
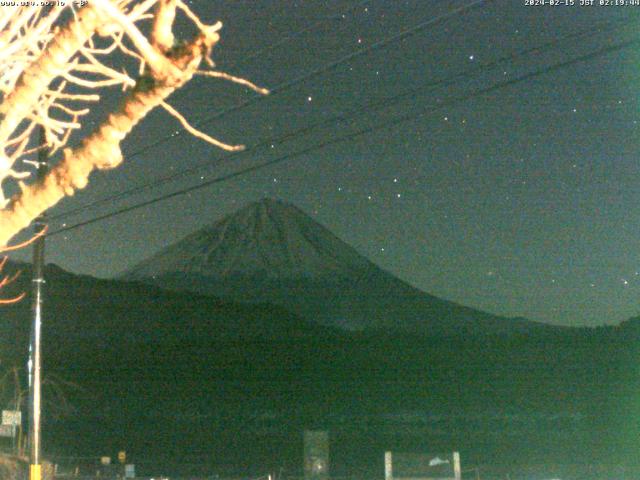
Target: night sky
522	201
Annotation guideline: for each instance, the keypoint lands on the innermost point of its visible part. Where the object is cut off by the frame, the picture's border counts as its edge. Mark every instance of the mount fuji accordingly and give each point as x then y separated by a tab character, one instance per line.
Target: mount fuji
272	252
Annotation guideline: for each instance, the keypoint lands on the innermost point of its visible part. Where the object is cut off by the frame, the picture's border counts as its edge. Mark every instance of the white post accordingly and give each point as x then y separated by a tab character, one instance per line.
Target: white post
388	466
456	466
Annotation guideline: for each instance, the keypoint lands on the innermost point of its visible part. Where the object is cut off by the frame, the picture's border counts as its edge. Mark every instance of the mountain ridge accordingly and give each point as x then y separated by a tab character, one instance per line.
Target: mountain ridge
271	251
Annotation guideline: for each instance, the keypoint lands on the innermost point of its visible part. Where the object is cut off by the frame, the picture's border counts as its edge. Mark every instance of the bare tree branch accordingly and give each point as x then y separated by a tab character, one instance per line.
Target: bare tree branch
52	67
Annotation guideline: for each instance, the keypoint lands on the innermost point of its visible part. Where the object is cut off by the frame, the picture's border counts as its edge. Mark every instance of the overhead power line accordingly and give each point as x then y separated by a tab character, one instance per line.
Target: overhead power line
288	37
291	36
321	70
343	116
404	118
287	85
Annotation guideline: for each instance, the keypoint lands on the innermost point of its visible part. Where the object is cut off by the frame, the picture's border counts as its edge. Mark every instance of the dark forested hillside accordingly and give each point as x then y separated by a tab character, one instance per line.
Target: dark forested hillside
228	382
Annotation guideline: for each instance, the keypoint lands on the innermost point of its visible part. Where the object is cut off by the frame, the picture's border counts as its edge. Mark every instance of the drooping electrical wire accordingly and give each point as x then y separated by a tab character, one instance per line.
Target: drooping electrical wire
343	116
404	118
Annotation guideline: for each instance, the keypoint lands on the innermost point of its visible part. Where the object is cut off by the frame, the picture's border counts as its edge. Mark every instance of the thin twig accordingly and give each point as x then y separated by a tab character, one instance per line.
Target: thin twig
197	133
12	248
234	79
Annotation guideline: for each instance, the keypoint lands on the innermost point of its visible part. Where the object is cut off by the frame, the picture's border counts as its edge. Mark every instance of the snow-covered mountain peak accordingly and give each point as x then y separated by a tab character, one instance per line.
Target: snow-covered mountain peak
269	238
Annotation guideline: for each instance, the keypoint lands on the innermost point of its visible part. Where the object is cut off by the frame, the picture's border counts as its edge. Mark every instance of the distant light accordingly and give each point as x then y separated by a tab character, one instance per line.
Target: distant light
471	57
309	98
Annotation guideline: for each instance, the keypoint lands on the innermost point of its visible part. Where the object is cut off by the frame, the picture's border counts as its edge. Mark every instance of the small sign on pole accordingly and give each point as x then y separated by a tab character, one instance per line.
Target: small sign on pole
11	417
129	471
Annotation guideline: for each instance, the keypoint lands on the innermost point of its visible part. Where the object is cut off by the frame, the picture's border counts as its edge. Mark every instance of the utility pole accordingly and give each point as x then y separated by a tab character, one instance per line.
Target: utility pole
35	469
